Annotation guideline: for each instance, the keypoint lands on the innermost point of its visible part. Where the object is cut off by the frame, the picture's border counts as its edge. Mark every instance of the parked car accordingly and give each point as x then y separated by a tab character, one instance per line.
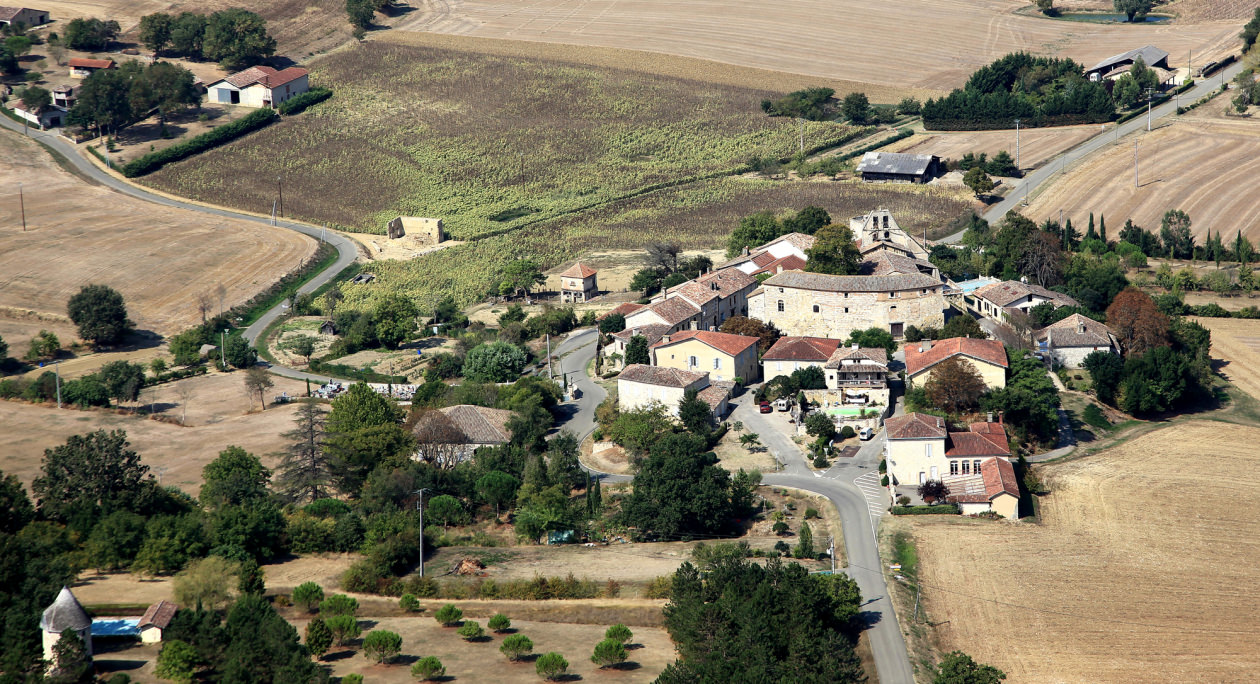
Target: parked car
765	407
865	434
783	404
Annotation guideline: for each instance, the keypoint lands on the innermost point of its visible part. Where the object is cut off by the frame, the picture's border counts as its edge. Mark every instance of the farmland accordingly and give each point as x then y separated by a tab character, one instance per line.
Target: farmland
1194	164
1237	343
160	259
832	39
1142	562
485	142
1036	145
696	216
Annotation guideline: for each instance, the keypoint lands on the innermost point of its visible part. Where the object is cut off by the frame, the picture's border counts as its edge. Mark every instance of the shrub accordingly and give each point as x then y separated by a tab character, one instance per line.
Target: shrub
471	630
382	645
782	547
409	603
658	588
551	665
903	500
338	604
516	646
820	461
499	623
309	594
427	668
619	632
297	105
883	481
178	661
448	615
938	509
847	432
609	652
811	513
780	527
353	678
221	135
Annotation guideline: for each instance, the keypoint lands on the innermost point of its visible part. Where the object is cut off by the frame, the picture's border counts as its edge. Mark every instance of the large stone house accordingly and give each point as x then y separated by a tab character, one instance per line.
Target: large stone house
259	86
724	356
920	447
832	306
878	231
999	300
718	295
577	284
450	435
1070	340
675	313
792	353
987	357
640	386
784	253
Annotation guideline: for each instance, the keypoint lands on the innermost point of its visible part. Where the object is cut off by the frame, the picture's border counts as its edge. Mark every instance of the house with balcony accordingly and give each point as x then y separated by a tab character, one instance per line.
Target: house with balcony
974	464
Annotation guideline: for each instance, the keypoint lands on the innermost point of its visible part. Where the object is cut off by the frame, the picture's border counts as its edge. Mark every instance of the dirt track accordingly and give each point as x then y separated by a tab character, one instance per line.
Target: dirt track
1143	564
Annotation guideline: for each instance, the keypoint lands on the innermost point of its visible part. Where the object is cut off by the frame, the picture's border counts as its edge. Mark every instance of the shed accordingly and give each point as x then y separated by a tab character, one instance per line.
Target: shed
1151	55
898	167
156	619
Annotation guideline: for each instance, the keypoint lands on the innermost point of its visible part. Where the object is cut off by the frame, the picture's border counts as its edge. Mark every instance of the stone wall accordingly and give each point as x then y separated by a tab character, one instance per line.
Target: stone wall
836	314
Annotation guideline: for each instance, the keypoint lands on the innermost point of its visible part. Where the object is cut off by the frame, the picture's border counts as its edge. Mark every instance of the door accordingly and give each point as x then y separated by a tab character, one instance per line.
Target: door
922	477
897	330
935	474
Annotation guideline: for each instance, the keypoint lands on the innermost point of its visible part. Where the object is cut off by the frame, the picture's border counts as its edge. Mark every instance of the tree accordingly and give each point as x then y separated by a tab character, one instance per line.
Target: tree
382	645
551	666
955	386
470	630
360	13
303	472
1133	9
808	220
448	615
100	314
694	413
308	594
178	661
637	350
679	489
872	338
122	379
618	632
238	352
494	362
754	230
343	628
1174	231
262	646
766	335
1137	322
498	489
258	381
155	31
516	646
237	38
45	345
1251	31
805	542
820	426
338	604
445	510
235	478
15	507
856	108
428	668
663	256
612	323
34	98
834	252
933	490
206	582
909	106
958	668
395	319
188	32
90	35
963	326
978	181
90	474
115	540
499	623
609	652
520	277
318	637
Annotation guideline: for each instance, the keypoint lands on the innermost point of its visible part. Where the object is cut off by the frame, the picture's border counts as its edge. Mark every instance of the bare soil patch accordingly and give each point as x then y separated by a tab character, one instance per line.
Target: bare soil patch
160	259
1036	145
1141	563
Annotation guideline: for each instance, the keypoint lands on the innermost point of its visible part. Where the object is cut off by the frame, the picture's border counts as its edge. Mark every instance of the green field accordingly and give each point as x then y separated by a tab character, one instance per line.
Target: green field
487	143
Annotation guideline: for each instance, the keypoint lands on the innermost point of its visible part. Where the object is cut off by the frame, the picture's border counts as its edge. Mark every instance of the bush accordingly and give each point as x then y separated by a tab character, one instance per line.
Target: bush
618	632
221	135
409	603
658	588
847	432
938	509
551	665
903	500
811	513
382	645
353	678
338	604
471	630
448	615
609	652
883	481
297	105
427	668
343	628
516	646
499	623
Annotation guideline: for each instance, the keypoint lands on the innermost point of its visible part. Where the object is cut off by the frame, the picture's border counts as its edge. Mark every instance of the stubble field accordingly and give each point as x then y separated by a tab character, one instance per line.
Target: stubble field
160	259
1198	164
1237	343
1141	568
1036	145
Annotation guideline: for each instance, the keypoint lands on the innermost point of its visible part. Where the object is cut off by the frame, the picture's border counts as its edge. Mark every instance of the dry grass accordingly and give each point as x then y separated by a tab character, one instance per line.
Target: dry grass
1194	164
831	39
1237	343
1036	145
1142	564
159	258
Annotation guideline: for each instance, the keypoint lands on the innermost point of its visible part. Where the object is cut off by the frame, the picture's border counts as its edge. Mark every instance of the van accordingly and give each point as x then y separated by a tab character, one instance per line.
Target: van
782	404
865	434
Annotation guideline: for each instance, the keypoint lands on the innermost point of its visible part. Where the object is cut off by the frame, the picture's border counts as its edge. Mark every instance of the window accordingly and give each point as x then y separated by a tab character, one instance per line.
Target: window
780	290
976	466
892	295
927	450
966	467
778	365
717	363
953	467
846	309
780	305
691	361
815	308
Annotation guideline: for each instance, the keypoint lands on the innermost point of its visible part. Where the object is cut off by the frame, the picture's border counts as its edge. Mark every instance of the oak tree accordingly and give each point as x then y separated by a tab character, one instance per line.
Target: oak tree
954	386
1136	322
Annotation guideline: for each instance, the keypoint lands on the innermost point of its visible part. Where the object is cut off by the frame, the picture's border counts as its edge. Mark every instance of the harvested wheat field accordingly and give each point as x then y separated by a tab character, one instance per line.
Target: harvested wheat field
1193	164
1144	563
1036	145
159	258
1237	343
829	39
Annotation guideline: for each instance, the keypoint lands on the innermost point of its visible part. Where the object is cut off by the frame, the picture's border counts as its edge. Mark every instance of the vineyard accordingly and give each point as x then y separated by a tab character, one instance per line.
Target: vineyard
486	142
696	216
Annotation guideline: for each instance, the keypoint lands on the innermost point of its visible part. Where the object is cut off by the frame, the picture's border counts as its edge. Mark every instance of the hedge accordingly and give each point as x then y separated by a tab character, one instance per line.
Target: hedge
905	133
939	509
221	135
298	104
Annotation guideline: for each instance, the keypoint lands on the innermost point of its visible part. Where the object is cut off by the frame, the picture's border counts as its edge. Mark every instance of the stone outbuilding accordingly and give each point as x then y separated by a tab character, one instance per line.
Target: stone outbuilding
155	620
577	284
65	614
1070	340
428	231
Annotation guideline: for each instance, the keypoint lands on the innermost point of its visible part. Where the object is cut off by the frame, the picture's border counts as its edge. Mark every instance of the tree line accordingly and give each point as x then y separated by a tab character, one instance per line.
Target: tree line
235	38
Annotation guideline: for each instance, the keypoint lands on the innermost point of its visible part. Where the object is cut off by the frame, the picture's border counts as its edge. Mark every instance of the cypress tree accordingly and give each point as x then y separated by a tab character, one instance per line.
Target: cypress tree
1102	228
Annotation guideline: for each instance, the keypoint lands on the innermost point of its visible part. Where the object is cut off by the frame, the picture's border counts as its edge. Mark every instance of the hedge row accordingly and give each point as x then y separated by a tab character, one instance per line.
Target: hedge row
1036	121
939	509
298	104
221	135
340	370
905	133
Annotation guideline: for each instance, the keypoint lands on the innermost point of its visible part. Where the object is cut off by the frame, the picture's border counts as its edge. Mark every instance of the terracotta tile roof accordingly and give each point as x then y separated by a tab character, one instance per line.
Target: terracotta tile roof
726	343
892	263
715	394
915	426
1076	331
88	63
158	615
1008	291
817	349
674	310
478	424
995	477
861	354
578	270
624	309
977	444
800	241
718	284
858	283
282	77
265	75
917	360
652	332
763	258
790	262
656	375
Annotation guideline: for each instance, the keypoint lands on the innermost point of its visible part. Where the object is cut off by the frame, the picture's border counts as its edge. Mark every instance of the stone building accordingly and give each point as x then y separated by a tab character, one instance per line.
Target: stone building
1070	340
832	306
65	613
878	231
428	231
640	386
987	357
577	284
718	296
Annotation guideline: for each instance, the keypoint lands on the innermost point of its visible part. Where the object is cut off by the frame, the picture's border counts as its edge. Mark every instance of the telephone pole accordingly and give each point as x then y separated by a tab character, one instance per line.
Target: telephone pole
222	346
1149	92
280	192
1017	143
420	509
831	551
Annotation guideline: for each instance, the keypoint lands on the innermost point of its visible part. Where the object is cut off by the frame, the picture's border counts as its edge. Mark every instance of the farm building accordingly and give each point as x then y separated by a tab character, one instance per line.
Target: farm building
156	619
260	86
450	435
82	67
577	284
23	15
987	357
1070	340
998	300
428	231
1118	65
48	117
897	167
65	613
63	96
723	355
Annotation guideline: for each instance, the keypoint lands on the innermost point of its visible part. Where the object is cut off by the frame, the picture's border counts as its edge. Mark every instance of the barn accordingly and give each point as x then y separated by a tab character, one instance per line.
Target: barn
897	167
1117	65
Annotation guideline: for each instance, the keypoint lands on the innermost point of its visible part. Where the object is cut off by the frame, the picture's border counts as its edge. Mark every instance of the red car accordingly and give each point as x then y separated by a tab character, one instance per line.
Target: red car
765	407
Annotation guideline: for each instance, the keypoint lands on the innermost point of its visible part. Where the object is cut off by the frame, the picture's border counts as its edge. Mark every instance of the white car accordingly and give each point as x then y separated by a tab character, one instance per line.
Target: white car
865	434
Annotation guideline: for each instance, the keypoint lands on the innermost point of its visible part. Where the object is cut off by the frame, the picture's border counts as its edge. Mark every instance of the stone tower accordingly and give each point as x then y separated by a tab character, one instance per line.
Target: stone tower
65	613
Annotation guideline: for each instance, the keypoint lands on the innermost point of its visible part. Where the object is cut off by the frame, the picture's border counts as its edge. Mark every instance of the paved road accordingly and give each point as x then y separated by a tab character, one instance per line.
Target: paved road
347	251
1107	137
574	353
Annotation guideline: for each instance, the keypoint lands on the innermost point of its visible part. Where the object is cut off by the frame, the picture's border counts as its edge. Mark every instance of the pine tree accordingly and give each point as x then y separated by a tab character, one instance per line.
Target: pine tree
1102	228
805	542
303	472
598	498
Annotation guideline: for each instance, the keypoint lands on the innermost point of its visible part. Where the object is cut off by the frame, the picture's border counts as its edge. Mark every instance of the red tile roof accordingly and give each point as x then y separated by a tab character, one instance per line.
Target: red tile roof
790	262
657	375
723	342
624	309
158	615
653	332
674	310
578	270
265	75
283	76
88	63
915	426
817	349
977	444
715	394
718	284
1010	291
917	360
999	477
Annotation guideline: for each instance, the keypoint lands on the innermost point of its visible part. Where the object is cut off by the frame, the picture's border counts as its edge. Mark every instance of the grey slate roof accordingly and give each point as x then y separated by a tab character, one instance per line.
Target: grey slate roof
1009	291
838	283
65	613
1150	54
895	162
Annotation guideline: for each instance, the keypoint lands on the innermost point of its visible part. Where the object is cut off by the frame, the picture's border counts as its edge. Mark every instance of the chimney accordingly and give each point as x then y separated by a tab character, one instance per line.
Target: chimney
1080	327
1001	416
664	339
990	419
634	333
925	346
853	346
745	250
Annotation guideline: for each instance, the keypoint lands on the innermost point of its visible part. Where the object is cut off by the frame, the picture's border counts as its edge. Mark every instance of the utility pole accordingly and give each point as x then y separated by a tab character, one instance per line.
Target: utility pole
323	233
1149	92
550	375
273	212
831	551
57	366
802	134
22	204
1017	143
420	509
1135	163
222	345
280	192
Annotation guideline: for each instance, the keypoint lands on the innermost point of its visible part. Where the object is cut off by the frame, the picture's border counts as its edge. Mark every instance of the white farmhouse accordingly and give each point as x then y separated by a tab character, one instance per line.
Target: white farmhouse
260	86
